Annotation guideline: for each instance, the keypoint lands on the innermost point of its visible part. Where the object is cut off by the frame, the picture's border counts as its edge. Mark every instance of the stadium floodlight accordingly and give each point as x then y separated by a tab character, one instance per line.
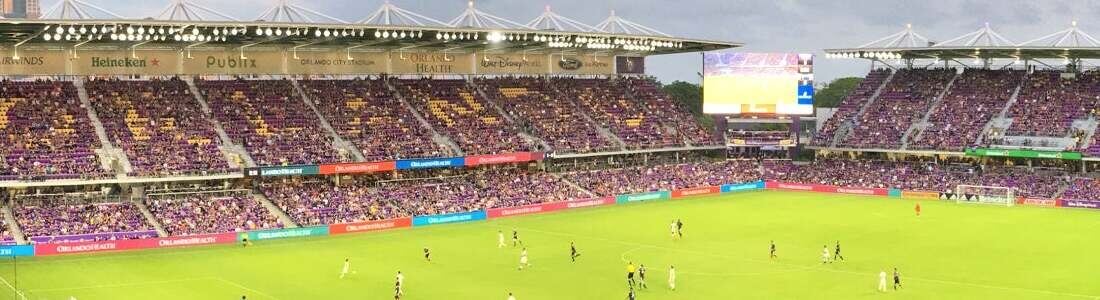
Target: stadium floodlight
318	33
259	31
233	31
268	31
385	34
83	30
59	30
402	34
47	37
278	31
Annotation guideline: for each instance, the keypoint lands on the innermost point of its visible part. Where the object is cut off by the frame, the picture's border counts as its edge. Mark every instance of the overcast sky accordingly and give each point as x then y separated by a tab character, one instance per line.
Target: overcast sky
763	25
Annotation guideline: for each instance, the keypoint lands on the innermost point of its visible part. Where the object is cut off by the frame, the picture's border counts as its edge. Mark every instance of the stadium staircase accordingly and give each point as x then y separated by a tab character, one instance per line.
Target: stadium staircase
338	141
1090	135
275	210
1001	120
235	154
109	153
606	133
440	139
919	127
16	232
152	219
508	117
574	185
846	127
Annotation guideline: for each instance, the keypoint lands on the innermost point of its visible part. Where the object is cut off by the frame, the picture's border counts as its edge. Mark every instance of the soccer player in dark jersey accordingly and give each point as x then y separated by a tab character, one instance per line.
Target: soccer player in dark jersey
773	250
641	277
630	295
836	254
397	291
680	228
573	254
515	238
897	279
427	254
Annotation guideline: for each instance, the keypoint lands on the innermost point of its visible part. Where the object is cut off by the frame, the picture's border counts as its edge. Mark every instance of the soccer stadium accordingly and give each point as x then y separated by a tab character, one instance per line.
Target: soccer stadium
191	154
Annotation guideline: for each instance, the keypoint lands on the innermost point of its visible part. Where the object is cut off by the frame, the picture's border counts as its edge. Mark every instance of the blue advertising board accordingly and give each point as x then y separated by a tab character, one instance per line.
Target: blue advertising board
737	187
449	218
430	163
16	250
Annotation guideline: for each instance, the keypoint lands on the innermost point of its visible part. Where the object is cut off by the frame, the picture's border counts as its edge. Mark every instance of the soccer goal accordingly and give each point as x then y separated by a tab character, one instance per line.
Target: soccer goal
985	195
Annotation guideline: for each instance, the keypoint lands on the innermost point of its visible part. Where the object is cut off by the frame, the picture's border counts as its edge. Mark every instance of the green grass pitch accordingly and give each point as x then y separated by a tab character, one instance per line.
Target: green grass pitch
953	251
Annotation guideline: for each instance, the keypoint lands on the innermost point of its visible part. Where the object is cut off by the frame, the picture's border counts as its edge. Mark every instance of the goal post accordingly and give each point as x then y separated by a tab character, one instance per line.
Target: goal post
997	195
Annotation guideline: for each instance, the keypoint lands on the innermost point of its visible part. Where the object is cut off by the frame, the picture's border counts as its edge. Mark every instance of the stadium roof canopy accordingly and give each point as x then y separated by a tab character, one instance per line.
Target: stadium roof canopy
985	43
185	24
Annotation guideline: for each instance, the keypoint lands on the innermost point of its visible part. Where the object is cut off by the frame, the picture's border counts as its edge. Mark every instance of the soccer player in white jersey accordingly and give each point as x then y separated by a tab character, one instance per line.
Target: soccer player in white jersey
672	277
672	229
500	239
824	254
346	269
523	259
882	281
511	297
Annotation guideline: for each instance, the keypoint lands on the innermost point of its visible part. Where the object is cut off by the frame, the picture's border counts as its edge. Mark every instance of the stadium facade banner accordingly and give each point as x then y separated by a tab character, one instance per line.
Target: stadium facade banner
706	190
16	250
920	195
448	218
1068	155
37	62
737	187
525	210
368	226
583	64
1079	204
431	163
826	188
336	62
431	63
1037	202
234	63
642	197
593	202
512	64
259	235
46	249
504	158
357	168
151	62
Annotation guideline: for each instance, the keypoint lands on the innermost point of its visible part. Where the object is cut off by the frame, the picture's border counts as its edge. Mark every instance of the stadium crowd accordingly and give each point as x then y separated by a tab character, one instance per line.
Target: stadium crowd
71	218
385	197
667	177
269	118
211	213
46	132
366	113
546	112
159	124
456	110
903	102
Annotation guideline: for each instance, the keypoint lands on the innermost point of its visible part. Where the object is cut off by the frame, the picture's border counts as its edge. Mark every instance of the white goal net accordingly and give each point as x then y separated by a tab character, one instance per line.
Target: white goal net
985	195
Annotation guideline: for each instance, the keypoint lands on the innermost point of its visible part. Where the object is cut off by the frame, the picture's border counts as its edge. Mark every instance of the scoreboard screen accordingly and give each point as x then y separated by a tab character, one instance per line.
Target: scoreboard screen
758	83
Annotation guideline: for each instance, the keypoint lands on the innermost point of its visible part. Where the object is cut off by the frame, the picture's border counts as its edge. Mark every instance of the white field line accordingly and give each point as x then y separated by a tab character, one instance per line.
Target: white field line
118	285
245	288
17	292
812	268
